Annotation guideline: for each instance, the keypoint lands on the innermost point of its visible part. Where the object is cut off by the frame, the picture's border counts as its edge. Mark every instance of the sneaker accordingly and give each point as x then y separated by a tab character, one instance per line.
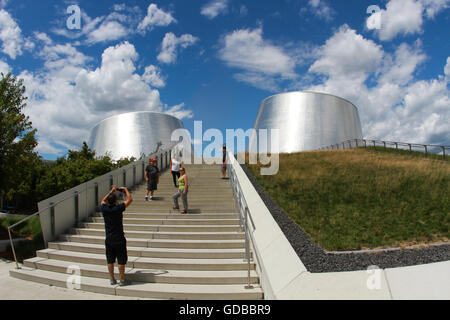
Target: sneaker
146	198
122	283
113	281
151	198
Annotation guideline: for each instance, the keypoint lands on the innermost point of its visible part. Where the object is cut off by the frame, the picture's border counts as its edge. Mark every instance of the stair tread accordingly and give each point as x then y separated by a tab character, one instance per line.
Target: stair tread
167	240
167	233
131	248
143	287
128	270
97	256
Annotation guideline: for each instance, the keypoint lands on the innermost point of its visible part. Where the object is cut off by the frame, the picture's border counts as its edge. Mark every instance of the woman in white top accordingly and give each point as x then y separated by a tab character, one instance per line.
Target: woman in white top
175	164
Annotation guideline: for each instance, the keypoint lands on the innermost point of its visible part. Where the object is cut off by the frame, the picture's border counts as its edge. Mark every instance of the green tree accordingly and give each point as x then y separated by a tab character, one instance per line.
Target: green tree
17	137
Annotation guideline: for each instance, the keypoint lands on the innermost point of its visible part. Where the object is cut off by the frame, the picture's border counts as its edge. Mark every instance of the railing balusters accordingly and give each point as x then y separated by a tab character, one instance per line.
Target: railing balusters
374	142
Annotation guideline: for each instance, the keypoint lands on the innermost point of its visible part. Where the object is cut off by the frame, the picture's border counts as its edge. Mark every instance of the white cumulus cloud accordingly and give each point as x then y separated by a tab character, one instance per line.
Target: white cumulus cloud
447	68
155	18
213	8
406	17
10	35
321	9
4	67
152	76
108	31
172	44
246	49
392	104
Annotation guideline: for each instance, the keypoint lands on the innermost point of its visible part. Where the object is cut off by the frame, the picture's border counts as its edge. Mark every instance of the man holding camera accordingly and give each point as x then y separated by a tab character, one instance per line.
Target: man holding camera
115	242
152	178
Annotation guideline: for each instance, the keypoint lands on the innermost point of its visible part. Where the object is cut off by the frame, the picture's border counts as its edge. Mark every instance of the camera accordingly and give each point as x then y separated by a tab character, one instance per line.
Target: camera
120	190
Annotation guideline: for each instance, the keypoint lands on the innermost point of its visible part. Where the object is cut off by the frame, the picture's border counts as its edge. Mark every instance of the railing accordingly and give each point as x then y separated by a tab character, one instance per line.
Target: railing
356	143
79	202
244	215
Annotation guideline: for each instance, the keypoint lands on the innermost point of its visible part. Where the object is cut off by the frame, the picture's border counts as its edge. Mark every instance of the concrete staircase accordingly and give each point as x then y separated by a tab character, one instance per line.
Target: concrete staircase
199	255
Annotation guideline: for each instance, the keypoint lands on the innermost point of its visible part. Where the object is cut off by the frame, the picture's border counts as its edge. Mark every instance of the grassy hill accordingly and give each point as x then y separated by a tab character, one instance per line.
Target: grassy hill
359	199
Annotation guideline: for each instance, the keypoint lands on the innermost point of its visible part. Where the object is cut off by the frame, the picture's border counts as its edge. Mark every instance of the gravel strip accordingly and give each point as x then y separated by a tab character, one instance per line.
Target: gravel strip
316	260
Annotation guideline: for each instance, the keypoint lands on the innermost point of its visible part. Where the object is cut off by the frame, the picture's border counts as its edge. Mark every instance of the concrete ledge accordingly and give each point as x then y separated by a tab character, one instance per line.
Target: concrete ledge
277	261
336	286
427	281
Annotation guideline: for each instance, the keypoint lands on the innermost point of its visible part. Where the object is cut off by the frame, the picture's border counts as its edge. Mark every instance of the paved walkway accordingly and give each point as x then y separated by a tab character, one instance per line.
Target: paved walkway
15	289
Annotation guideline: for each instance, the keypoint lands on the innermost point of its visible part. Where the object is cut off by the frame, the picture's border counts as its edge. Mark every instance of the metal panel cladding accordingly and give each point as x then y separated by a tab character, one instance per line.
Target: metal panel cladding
132	134
308	120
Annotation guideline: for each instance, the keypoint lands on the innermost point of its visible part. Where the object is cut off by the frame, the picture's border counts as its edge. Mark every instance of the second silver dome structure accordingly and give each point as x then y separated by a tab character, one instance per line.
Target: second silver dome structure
308	120
133	134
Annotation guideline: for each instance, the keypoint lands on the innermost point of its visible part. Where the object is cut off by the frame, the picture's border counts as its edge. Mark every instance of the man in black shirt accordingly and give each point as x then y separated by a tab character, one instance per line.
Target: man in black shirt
152	178
224	162
115	242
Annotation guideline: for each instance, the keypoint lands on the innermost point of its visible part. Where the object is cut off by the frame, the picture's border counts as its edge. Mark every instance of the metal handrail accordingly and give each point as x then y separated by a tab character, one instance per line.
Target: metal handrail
425	147
52	205
244	217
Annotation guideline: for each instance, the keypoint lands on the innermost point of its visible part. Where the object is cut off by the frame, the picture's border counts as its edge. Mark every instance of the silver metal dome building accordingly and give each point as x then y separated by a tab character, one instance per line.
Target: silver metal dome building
308	120
132	134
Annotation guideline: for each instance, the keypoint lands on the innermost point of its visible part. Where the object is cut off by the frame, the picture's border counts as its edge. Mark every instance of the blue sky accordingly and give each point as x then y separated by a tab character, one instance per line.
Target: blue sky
217	60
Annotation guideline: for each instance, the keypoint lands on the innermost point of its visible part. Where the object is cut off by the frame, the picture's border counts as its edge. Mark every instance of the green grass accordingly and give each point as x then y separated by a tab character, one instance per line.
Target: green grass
360	199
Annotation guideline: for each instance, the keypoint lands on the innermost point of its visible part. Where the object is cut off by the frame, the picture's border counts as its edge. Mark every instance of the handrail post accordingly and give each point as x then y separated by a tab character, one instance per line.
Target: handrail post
247	249
124	178
97	207
396	147
76	206
12	248
246	235
426	150
52	220
374	146
134	177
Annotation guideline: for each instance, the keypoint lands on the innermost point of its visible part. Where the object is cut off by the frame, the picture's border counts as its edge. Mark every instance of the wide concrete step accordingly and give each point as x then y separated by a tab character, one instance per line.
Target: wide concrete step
148	263
228	224
169	210
209	222
182	253
183	229
148	275
162	216
155	228
147	290
163	243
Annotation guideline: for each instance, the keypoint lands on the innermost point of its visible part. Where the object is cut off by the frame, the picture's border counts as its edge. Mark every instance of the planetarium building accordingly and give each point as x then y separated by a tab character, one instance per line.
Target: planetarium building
308	120
132	134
